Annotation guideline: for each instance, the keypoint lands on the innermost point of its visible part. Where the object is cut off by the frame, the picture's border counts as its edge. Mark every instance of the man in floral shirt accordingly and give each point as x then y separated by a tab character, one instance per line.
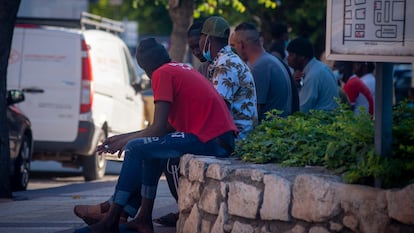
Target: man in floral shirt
229	74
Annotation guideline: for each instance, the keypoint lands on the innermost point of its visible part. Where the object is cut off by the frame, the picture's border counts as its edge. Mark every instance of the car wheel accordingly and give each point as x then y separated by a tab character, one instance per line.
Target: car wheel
20	178
94	166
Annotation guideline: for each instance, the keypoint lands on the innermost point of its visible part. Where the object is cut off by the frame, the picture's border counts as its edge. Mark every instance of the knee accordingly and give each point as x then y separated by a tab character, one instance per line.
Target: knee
133	148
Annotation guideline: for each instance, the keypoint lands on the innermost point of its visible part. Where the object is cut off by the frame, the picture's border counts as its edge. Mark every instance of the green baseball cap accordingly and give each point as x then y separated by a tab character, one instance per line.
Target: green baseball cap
216	26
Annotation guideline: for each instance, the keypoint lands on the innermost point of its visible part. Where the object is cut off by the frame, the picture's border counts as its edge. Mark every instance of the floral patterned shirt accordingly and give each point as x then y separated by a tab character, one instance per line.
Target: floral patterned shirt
234	82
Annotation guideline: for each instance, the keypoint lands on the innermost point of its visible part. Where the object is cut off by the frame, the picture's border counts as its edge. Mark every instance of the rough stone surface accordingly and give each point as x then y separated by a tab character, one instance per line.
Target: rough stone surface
264	229
239	227
361	202
193	222
205	226
351	222
243	200
401	204
196	170
250	173
188	194
230	196
276	198
336	227
218	226
224	189
314	199
318	229
217	171
209	200
297	229
184	164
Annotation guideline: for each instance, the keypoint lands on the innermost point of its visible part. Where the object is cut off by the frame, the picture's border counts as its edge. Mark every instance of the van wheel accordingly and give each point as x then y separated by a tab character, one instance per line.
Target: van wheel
94	166
20	178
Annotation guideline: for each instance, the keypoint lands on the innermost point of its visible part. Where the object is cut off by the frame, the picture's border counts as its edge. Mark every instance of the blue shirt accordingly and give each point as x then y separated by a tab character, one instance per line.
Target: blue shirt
273	87
319	90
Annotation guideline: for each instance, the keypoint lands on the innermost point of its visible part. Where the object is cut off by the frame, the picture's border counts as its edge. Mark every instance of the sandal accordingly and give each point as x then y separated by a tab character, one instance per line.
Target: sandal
169	220
92	214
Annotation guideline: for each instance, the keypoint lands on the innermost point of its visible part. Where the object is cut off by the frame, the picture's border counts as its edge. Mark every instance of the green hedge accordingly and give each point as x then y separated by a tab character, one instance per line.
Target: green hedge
337	140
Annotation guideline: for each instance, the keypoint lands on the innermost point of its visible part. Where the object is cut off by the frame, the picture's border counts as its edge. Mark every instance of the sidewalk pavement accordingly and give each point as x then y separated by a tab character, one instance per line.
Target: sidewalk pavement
51	210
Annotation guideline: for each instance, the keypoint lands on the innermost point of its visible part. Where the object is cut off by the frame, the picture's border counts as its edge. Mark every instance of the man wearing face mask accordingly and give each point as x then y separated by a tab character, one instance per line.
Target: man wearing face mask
229	74
193	39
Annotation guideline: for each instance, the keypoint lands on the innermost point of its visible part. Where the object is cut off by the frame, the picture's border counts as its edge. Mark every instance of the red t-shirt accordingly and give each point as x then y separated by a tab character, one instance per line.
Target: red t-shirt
196	107
355	87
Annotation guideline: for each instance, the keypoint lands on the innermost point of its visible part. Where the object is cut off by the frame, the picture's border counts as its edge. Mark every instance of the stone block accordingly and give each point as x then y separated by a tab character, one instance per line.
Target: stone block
239	227
250	173
184	164
217	171
276	198
210	199
193	222
188	194
297	229
196	170
401	204
351	222
244	200
221	219
367	204
205	226
314	199
318	229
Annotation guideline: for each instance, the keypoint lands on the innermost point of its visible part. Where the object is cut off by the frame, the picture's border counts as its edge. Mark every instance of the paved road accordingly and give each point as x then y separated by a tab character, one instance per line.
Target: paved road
46	207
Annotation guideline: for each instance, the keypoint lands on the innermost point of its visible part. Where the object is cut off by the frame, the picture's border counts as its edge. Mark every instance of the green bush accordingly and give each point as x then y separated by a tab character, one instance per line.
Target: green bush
337	140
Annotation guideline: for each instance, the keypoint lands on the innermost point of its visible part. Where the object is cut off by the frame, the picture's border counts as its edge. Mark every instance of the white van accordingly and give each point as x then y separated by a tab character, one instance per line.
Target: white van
80	86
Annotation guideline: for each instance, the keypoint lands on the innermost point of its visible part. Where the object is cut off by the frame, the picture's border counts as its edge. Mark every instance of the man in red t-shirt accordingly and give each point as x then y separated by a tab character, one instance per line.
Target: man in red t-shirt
190	117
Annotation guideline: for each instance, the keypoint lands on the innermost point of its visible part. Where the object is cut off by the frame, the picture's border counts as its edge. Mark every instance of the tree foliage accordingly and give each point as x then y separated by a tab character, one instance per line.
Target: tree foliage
152	16
303	17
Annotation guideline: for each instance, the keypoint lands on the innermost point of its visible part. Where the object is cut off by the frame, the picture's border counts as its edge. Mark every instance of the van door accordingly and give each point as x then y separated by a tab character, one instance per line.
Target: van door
50	75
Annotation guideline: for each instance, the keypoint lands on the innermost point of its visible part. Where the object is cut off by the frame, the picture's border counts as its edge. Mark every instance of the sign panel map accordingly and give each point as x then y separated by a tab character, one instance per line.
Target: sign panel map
371	27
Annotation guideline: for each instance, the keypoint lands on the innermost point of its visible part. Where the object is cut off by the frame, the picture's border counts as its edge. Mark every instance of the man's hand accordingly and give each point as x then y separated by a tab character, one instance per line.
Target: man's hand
113	144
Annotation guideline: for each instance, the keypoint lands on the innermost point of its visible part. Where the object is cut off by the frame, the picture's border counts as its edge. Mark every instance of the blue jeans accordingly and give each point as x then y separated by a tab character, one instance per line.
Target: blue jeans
145	158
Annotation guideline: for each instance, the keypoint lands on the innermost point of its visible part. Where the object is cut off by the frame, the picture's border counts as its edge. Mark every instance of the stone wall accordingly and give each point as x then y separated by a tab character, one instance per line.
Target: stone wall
230	196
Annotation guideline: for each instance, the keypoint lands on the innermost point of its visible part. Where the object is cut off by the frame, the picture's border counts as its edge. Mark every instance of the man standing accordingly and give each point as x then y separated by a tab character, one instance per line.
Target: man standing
274	86
319	89
229	74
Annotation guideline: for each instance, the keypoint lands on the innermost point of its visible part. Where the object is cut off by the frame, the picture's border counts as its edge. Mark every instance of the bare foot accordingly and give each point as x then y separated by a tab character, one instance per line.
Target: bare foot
140	226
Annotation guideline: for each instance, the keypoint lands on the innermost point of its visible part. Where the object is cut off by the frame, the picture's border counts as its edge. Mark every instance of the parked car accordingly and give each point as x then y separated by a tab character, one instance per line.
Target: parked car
20	140
81	86
402	81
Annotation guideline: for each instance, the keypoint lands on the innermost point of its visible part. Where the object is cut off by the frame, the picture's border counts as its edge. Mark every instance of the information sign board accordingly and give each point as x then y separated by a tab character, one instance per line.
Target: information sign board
370	30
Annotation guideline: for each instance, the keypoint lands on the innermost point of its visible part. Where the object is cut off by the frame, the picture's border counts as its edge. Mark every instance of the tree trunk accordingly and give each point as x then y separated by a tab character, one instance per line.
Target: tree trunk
8	12
181	13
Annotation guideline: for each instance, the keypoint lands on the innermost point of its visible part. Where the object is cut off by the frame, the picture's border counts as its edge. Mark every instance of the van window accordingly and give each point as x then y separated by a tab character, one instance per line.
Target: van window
131	70
107	60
